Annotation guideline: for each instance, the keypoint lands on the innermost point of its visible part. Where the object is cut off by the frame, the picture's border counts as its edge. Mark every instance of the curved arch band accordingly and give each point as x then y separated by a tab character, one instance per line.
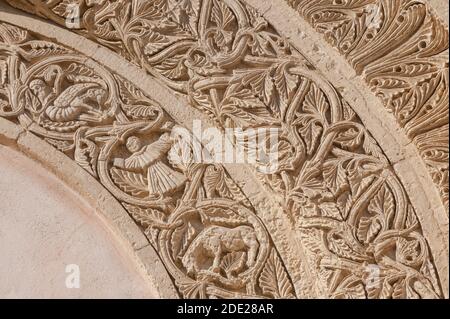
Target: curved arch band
340	203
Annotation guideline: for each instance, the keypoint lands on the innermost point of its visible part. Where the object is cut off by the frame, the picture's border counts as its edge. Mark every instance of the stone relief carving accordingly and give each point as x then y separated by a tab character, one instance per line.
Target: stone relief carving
409	74
212	243
334	182
401	49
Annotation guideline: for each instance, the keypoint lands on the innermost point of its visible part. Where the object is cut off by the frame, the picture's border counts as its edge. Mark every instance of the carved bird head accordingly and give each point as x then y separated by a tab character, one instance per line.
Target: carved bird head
133	144
37	86
40	89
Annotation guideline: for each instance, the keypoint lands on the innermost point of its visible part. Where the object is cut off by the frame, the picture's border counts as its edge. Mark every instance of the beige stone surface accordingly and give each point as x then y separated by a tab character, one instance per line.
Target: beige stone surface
356	93
46	227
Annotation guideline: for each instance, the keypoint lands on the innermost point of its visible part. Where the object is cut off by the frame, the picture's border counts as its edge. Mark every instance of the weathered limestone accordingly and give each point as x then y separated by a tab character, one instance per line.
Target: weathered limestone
351	193
128	236
53	236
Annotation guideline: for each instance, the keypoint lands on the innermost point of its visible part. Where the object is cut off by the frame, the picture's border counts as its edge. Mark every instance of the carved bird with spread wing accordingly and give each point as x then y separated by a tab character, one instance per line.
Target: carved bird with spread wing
73	102
161	178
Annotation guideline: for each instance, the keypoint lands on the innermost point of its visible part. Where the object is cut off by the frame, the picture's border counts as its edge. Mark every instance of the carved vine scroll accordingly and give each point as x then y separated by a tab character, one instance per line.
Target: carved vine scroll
335	184
408	72
201	224
401	49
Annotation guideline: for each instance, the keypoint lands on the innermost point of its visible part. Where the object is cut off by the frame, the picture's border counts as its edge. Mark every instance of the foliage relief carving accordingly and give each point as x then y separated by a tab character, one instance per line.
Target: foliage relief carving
401	49
334	182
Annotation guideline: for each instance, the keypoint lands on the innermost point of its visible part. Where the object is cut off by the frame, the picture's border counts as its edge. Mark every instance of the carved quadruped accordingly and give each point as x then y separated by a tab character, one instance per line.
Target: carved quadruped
122	138
335	184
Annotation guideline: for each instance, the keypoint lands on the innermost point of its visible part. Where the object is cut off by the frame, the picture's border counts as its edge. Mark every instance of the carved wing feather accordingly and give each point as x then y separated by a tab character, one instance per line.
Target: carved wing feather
163	179
72	92
148	155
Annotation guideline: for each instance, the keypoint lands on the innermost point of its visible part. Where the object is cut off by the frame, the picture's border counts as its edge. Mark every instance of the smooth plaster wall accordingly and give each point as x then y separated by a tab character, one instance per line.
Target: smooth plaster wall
49	228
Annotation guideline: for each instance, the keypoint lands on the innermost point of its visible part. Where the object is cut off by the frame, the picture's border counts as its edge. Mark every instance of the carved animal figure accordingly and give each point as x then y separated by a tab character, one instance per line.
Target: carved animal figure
72	103
161	178
215	241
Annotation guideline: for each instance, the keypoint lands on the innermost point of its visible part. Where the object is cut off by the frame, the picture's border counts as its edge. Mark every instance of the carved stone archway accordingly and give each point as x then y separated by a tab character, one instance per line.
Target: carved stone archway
352	193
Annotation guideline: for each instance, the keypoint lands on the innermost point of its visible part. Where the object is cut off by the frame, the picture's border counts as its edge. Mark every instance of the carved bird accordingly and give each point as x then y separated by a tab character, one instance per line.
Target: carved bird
161	178
71	104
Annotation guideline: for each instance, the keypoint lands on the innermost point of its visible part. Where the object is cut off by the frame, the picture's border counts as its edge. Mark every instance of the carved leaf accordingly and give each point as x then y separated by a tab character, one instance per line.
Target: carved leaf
335	175
173	67
61	126
233	262
156	43
145	216
32	103
192	289
370	147
358	183
235	192
350	138
181	239
61	145
285	82
221	14
338	245
310	184
316	103
274	280
204	103
78	69
368	229
219	215
260	81
330	210
245	109
211	179
129	92
140	111
137	105
383	204
348	112
215	179
15	34
411	218
312	239
311	120
129	182
85	155
44	48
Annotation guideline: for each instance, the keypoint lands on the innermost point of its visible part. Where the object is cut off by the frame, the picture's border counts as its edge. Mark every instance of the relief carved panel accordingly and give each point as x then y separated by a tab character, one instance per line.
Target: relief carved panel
401	49
340	192
408	72
205	230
